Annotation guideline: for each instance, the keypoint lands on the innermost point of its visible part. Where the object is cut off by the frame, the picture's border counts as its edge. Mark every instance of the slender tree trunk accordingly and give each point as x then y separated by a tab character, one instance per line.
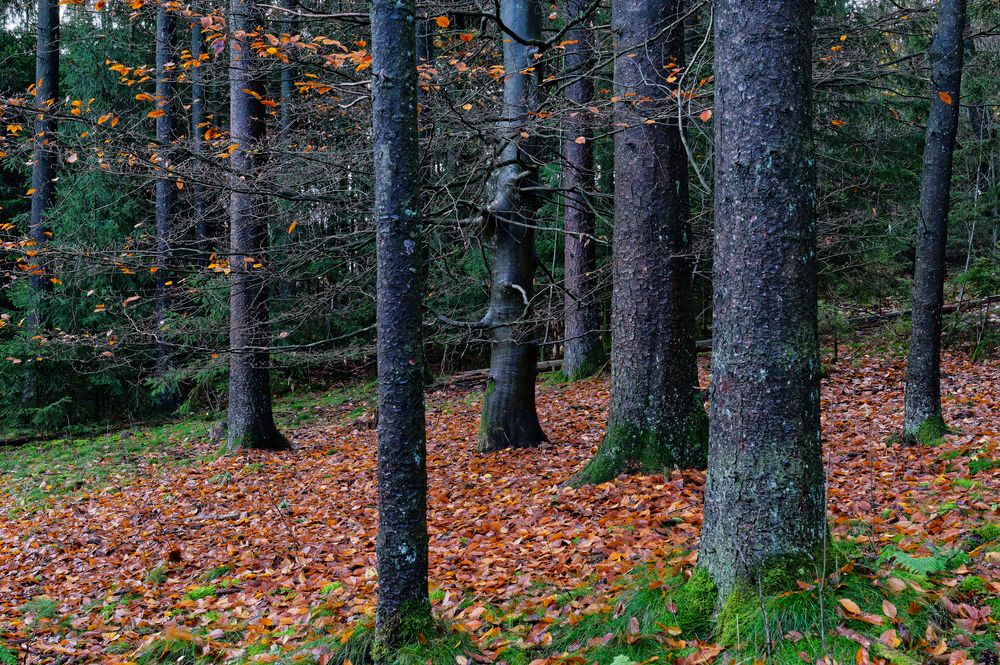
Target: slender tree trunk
657	419
167	395
43	168
403	605
923	422
582	351
199	204
286	132
251	422
764	498
509	418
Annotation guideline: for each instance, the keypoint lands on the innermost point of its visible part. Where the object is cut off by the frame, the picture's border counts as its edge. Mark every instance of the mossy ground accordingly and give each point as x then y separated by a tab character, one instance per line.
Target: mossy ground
929	433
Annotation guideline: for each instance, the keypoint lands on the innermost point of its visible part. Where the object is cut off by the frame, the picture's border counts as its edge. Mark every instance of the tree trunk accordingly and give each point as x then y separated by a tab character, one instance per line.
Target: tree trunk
286	131
509	418
43	168
657	419
251	423
583	354
764	497
923	422
167	396
403	605
202	234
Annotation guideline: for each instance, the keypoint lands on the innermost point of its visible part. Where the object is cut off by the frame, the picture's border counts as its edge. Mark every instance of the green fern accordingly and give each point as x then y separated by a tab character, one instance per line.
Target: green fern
7	655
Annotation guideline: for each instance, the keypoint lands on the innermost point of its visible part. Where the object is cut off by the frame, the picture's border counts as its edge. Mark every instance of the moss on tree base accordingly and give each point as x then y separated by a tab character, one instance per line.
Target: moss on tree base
272	440
628	449
412	625
928	433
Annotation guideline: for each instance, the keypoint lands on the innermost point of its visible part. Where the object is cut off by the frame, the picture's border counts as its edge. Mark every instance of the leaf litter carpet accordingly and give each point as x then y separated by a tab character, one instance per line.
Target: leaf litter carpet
289	533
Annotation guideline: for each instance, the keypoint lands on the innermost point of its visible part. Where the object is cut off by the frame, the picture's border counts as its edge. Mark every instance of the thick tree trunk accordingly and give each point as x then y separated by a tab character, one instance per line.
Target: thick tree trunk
167	395
251	422
582	351
923	421
403	606
509	418
657	419
764	498
43	167
202	235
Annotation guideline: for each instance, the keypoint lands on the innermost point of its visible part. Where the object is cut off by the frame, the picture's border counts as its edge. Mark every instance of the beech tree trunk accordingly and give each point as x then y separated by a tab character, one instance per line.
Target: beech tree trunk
251	422
403	605
657	420
509	418
764	498
583	354
923	422
43	167
167	396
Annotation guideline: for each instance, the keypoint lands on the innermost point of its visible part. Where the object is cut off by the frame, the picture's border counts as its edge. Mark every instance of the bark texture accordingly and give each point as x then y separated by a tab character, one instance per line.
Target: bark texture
923	421
583	353
199	204
251	422
509	418
43	167
403	604
764	497
657	419
167	396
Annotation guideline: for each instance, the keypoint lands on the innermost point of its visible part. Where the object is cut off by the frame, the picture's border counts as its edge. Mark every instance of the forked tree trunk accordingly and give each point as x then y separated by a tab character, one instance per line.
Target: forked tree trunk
764	498
657	420
43	168
509	418
582	351
167	395
251	422
403	611
923	421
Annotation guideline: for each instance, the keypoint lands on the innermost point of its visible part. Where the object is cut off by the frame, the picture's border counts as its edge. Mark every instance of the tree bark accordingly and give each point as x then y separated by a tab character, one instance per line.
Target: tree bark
583	354
167	396
764	497
657	419
509	418
43	168
923	421
251	422
403	605
199	205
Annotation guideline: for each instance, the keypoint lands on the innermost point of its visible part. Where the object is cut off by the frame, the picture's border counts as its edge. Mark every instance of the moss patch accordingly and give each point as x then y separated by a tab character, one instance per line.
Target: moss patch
696	603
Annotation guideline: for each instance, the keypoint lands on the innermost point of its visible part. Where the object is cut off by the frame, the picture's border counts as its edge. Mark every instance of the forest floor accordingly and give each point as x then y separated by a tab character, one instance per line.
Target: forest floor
145	546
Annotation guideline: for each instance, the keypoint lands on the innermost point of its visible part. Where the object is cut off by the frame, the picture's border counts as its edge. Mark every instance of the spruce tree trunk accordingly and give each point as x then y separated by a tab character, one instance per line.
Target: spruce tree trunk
509	418
43	168
251	422
923	422
583	354
657	420
167	398
403	611
202	235
764	498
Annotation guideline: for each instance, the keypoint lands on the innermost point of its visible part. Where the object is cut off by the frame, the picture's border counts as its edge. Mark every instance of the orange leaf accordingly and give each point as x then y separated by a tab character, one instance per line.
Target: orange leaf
944	97
888	609
705	115
442	21
157	113
850	605
580	140
837	123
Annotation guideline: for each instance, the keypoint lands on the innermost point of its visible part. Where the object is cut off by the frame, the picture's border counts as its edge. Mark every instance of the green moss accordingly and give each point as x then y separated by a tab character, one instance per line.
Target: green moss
972	584
987	532
412	625
894	657
200	592
930	432
636	448
696	603
740	610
